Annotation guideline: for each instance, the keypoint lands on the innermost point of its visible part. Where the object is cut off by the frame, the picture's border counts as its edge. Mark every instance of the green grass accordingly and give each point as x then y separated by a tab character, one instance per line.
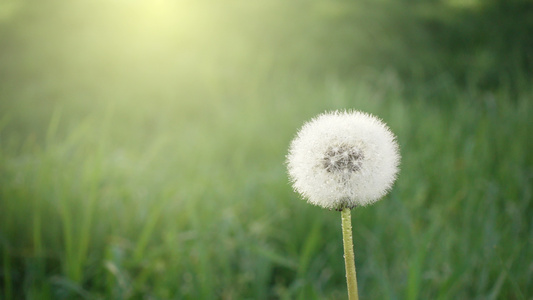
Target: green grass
129	171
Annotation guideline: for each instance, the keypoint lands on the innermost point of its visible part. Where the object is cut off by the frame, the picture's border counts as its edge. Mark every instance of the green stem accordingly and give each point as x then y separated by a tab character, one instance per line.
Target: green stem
351	278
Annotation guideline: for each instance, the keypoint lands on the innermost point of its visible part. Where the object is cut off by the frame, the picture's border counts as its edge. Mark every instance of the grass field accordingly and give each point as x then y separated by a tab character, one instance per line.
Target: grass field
142	148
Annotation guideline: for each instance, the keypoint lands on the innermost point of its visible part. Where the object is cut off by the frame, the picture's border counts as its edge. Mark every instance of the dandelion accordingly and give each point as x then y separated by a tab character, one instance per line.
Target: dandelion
340	160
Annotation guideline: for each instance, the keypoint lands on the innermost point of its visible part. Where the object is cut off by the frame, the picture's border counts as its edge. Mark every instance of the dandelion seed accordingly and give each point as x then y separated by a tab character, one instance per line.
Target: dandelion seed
343	159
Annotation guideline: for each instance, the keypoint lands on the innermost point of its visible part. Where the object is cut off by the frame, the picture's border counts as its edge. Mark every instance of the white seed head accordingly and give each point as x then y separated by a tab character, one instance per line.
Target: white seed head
343	159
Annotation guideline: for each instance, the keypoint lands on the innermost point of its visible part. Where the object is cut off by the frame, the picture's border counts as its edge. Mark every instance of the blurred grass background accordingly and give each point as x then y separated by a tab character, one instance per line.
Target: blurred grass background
142	148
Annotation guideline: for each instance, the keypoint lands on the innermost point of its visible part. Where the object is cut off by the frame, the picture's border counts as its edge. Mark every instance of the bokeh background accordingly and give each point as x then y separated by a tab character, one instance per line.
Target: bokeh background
143	143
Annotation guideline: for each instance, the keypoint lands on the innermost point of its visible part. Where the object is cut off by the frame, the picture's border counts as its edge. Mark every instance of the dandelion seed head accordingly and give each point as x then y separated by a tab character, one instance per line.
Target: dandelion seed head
343	159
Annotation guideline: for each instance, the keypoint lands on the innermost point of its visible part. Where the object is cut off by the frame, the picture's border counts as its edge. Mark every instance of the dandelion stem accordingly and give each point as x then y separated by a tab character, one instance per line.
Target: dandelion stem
351	278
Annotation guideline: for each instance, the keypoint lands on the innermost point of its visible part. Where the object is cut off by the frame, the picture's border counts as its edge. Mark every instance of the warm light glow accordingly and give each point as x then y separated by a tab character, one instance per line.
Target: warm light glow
162	18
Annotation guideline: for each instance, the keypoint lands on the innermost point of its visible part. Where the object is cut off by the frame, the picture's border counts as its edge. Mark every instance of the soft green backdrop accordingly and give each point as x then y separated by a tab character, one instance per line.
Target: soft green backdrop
142	148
